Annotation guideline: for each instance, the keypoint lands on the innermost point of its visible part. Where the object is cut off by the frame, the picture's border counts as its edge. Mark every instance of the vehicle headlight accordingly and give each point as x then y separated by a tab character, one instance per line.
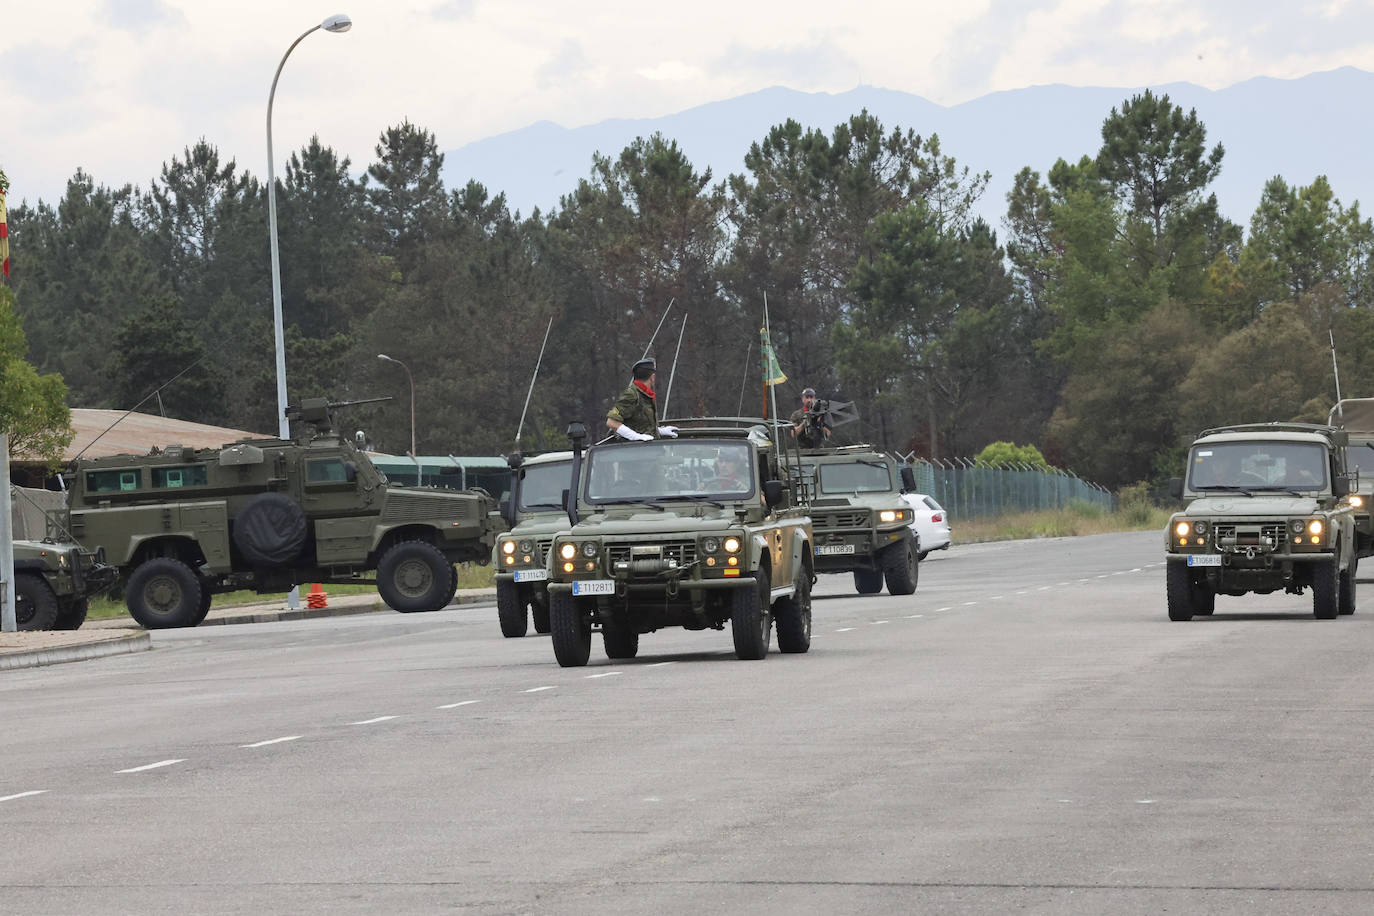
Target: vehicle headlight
1356	500
527	546
1199	527
1315	526
710	544
63	560
568	551
508	547
1182	529
1297	526
732	545
589	548
889	515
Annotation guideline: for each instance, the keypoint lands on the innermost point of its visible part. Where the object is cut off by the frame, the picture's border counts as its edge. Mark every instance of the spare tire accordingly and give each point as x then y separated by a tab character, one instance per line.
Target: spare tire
270	530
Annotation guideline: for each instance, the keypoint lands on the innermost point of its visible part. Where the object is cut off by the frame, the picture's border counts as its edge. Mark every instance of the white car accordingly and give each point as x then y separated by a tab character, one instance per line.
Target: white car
931	523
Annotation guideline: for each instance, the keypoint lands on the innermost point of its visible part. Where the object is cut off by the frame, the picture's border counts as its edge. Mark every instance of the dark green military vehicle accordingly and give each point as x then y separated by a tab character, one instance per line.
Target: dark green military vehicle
54	582
1267	510
536	513
1356	417
267	514
861	523
700	531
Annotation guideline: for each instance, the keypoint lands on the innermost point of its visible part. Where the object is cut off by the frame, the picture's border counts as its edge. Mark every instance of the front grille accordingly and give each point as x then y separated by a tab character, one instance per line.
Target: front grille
832	521
542	548
404	506
683	553
1255	535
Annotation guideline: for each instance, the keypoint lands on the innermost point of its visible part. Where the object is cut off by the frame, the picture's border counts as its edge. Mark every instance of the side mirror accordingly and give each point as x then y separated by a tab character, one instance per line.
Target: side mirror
514	460
908	480
772	493
1176	487
1340	485
577	432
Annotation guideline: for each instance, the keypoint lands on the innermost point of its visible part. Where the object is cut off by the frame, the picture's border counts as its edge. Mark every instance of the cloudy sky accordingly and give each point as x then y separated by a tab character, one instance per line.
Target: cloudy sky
117	87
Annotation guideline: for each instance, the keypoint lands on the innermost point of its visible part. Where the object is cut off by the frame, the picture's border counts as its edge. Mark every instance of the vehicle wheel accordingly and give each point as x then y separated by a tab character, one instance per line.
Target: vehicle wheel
900	568
621	641
164	593
1325	590
452	585
270	530
751	621
571	630
793	616
413	576
922	554
203	609
35	605
539	609
1179	590
511	610
868	581
71	613
1347	589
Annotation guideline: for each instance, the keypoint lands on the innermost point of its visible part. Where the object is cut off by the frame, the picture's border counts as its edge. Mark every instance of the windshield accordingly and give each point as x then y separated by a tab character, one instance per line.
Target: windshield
1257	466
857	477
542	486
1360	457
665	469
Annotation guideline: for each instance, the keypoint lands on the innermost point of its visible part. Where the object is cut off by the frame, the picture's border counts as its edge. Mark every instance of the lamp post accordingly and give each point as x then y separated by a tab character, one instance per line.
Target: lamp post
339	23
413	453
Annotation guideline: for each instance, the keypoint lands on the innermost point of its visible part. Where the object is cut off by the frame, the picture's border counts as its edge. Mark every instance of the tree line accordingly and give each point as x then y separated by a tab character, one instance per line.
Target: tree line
1114	314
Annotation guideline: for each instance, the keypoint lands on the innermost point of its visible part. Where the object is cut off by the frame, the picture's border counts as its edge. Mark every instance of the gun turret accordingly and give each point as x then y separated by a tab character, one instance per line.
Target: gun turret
318	412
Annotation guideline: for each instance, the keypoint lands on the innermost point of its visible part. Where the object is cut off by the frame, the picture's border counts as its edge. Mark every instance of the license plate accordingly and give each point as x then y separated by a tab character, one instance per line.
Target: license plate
1213	559
830	550
594	587
531	575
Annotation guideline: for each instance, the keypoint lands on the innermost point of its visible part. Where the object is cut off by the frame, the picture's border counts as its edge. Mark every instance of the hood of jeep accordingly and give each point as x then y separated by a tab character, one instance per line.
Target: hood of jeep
1268	504
651	524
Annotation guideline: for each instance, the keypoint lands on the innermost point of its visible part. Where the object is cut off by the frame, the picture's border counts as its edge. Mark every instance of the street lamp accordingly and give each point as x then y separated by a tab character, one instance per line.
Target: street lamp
339	23
413	453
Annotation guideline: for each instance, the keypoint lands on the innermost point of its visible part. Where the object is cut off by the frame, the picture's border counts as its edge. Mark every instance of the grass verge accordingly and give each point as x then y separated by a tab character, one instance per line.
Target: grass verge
1072	521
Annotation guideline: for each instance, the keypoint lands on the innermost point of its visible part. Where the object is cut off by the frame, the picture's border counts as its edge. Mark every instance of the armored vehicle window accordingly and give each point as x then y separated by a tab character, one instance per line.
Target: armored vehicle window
858	477
330	470
1258	466
190	476
666	470
111	481
542	486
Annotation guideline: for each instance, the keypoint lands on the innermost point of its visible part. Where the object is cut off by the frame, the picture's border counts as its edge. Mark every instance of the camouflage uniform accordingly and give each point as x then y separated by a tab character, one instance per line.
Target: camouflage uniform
806	438
636	410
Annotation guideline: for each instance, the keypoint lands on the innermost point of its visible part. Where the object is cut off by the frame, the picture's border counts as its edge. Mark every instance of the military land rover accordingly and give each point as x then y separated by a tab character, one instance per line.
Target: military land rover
183	524
536	513
54	582
860	522
1267	510
1356	417
696	532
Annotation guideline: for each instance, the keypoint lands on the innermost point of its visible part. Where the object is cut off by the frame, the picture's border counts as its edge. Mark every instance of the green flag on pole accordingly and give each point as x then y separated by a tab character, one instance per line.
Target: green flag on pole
772	372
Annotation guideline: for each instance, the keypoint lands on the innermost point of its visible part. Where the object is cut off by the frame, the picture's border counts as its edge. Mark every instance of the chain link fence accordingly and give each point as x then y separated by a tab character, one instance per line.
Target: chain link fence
969	490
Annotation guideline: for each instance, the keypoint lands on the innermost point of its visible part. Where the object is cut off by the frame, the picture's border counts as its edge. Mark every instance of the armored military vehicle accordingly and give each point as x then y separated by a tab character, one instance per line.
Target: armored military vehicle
1266	511
696	532
54	582
182	524
536	513
1356	417
861	523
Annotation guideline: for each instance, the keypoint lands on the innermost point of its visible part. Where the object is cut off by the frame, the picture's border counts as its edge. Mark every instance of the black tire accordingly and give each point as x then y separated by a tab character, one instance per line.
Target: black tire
270	530
452	585
539	608
510	609
621	641
900	568
1347	588
414	576
792	616
751	619
164	593
71	613
922	554
571	630
1325	590
35	605
203	609
1178	586
868	581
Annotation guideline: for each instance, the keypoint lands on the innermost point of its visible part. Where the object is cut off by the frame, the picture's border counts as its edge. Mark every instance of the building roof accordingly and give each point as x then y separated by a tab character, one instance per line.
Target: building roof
138	432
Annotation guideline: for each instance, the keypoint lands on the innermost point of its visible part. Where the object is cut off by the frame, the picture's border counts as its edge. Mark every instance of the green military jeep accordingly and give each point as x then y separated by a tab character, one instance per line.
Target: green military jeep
696	532
861	523
1267	510
54	582
267	514
535	512
1356	417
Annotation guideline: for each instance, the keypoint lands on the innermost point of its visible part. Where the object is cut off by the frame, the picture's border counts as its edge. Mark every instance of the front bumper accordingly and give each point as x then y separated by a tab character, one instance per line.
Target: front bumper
645	586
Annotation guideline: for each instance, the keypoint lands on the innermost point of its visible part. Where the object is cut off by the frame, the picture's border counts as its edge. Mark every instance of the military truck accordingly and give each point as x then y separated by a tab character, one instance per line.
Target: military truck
861	523
1356	417
54	582
1266	511
696	532
183	524
535	512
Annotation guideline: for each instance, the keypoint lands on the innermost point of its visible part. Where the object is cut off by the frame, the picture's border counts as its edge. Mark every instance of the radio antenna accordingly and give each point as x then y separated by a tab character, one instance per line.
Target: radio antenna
154	393
537	363
660	325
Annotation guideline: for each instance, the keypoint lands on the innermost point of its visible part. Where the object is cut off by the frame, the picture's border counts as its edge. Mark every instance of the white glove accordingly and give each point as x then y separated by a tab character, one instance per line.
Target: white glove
624	432
669	431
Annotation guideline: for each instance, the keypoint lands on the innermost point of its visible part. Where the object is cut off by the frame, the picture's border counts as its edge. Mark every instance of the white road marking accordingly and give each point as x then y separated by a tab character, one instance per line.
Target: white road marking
372	721
658	664
537	689
876	622
272	741
1044	588
914	616
942	609
1021	593
153	766
995	598
456	705
603	674
970	603
844	629
1145	801
1103	576
1137	569
22	795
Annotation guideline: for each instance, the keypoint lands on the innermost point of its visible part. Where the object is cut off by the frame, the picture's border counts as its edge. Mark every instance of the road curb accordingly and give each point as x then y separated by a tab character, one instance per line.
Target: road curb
123	645
339	610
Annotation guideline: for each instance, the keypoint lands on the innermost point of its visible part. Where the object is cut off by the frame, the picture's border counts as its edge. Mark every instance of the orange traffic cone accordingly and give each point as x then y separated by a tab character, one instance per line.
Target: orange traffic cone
317	597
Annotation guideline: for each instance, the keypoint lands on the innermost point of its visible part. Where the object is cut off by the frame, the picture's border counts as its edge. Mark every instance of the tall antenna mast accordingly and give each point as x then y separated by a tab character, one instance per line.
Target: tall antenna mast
660	325
537	363
673	374
1335	368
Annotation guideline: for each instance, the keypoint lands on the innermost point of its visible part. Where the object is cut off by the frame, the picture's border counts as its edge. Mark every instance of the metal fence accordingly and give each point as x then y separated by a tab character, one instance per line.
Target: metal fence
969	490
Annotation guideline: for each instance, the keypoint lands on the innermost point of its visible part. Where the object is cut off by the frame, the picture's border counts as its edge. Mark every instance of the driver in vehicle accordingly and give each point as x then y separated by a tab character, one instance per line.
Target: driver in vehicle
730	473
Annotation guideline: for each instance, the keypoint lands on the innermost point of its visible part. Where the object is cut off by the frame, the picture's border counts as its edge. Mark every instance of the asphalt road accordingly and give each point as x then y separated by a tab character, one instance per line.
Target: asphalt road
1028	732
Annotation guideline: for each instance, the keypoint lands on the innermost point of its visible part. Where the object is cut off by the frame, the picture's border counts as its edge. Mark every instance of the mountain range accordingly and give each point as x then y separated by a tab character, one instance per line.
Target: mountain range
1298	128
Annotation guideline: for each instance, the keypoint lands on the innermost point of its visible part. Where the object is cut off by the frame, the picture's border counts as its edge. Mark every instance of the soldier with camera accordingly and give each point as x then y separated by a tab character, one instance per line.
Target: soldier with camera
809	425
